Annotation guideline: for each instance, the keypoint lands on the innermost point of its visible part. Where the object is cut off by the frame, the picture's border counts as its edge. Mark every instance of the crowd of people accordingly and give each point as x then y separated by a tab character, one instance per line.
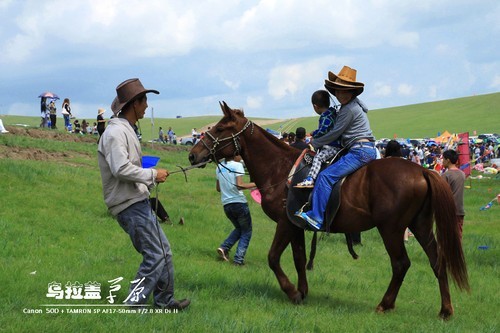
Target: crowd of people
169	137
427	154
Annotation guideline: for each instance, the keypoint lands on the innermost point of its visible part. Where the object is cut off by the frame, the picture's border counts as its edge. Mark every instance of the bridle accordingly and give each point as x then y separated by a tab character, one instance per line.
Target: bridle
233	139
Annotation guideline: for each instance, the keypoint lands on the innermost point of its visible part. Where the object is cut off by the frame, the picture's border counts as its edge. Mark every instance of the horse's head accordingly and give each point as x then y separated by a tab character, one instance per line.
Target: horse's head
223	139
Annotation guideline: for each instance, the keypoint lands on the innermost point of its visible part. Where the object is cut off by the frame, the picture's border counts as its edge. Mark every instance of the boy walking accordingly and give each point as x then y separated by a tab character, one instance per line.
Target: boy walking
229	184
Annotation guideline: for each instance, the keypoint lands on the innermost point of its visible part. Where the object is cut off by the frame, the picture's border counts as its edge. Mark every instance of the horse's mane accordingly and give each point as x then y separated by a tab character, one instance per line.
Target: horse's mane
269	136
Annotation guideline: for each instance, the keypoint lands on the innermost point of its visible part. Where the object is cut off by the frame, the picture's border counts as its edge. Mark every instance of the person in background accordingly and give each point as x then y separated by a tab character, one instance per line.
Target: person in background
161	135
66	112
229	175
126	188
101	122
171	135
300	139
85	126
456	179
43	110
77	127
415	158
393	149
291	138
53	114
284	137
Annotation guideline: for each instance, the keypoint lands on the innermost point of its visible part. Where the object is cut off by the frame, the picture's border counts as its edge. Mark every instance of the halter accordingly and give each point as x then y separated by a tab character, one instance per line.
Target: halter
234	137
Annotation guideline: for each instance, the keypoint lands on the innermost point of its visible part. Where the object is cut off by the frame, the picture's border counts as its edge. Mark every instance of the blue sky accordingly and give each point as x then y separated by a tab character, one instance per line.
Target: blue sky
266	57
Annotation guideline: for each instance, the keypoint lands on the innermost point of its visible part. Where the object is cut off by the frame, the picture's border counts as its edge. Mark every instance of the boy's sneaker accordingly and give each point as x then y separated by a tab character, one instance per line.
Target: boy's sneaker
222	254
315	225
306	183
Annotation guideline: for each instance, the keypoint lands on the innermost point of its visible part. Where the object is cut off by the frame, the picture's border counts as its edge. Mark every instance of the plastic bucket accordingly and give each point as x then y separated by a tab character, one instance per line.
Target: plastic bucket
149	161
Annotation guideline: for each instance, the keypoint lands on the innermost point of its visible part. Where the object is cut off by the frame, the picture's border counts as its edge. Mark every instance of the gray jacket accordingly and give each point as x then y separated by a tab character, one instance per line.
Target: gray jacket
124	181
351	125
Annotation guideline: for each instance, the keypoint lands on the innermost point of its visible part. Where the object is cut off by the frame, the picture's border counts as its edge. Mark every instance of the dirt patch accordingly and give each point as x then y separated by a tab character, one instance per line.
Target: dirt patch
37	154
17	153
38	133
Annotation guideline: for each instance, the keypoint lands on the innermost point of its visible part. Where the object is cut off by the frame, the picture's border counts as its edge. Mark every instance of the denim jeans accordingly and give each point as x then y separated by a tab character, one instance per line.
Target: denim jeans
239	214
66	121
157	267
347	164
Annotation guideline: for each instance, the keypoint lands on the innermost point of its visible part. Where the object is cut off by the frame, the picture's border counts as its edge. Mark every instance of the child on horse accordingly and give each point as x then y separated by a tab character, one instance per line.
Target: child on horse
353	129
320	100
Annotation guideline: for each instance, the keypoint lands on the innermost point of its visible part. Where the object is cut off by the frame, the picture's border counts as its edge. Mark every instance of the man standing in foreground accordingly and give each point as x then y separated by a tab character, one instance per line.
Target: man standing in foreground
126	193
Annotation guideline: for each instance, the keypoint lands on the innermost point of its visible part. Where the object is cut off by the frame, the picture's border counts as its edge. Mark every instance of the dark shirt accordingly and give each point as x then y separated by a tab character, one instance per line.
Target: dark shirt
299	144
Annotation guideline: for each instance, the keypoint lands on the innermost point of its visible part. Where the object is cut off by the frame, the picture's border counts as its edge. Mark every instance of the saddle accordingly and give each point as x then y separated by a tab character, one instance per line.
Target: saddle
299	198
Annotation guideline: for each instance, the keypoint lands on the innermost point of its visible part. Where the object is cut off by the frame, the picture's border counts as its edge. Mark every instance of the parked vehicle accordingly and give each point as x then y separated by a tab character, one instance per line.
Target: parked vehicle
190	140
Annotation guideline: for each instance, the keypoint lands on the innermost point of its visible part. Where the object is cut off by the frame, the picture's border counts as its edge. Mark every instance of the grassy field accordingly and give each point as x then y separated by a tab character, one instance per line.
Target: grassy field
476	113
56	229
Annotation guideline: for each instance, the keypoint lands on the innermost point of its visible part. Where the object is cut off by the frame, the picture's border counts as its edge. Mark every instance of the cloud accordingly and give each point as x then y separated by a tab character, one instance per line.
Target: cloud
264	54
254	102
405	89
495	82
381	89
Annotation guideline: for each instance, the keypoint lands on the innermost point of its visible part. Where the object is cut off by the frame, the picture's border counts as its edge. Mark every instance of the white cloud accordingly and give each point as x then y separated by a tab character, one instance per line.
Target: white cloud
289	80
433	91
265	54
495	83
254	102
231	84
381	89
405	89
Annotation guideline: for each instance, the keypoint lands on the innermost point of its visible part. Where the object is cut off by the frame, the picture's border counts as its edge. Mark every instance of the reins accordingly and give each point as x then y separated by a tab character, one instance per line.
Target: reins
233	139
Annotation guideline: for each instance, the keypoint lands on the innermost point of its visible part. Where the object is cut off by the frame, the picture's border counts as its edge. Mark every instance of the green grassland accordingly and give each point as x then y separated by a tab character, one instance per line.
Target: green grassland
55	227
468	114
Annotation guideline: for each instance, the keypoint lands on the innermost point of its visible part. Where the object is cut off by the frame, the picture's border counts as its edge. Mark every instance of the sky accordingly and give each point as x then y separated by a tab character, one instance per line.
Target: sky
266	56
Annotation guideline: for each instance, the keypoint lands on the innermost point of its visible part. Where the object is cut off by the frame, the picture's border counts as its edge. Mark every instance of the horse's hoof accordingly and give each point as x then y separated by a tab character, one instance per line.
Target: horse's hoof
383	309
445	314
297	298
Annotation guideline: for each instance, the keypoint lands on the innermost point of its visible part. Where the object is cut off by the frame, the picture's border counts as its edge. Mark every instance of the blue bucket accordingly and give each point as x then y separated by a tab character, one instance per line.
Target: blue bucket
149	161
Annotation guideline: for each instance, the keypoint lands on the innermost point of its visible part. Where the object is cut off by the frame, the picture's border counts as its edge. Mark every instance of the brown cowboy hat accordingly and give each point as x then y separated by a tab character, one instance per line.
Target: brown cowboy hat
345	80
100	111
127	91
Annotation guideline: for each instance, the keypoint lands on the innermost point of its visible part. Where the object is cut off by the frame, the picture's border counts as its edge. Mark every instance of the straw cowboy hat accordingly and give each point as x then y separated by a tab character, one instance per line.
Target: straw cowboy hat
100	111
127	91
345	80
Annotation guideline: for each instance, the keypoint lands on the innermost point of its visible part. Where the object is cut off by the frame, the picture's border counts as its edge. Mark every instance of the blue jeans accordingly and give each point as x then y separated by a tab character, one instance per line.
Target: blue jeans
239	214
156	268
347	164
66	121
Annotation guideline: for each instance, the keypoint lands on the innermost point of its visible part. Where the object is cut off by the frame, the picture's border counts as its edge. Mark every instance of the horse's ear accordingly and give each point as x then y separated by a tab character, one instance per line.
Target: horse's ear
226	109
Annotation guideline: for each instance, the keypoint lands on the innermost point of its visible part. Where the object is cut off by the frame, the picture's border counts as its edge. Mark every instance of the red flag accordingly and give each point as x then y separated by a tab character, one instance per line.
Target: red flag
463	153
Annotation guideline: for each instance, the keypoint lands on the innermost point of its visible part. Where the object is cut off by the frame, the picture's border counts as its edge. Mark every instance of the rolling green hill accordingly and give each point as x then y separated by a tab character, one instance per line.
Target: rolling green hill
475	113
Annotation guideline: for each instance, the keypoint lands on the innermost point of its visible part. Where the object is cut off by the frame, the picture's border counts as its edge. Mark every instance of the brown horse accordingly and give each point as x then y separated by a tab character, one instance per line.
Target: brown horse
389	194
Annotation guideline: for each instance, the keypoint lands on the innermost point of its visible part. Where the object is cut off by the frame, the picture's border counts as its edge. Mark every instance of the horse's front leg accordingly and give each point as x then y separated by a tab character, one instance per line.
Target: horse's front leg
282	238
299	259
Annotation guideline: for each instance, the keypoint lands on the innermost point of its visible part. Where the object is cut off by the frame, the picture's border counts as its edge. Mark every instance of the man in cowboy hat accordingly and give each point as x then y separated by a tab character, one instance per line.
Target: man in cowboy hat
126	193
353	129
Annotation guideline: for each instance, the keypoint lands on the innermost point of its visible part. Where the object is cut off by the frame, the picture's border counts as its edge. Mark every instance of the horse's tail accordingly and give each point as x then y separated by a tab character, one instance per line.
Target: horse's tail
450	253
